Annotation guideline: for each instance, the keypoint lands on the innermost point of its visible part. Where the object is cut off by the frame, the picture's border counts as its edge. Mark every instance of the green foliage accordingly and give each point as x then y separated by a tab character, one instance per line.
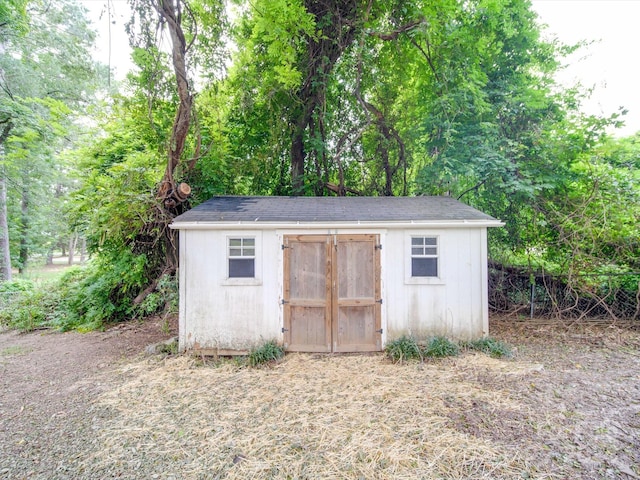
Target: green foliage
439	347
22	305
48	79
103	292
16	286
491	346
454	98
163	299
265	353
404	348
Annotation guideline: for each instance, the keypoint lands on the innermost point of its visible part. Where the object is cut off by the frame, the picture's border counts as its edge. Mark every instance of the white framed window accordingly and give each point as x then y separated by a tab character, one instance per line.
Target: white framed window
423	252
424	256
241	257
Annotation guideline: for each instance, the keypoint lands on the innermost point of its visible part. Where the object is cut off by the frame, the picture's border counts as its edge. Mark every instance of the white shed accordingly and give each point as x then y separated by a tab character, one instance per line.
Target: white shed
330	274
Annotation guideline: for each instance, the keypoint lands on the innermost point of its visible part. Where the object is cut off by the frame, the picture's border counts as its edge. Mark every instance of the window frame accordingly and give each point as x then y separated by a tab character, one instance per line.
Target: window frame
256	279
409	256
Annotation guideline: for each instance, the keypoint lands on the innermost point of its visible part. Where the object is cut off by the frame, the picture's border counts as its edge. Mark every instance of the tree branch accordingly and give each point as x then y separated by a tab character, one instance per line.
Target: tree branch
393	35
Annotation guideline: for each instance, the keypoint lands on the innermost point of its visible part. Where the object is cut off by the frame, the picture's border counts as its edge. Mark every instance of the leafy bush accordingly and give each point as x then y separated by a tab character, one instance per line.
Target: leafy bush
101	292
403	348
21	305
84	298
265	353
491	346
24	311
441	347
163	299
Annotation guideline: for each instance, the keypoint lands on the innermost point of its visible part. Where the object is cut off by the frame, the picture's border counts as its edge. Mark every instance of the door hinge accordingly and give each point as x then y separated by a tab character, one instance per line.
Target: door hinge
379	331
378	247
284	329
283	246
379	301
283	301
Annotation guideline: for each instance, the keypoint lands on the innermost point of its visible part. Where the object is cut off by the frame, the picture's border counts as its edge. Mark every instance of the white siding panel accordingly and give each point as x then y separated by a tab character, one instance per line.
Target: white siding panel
451	305
223	314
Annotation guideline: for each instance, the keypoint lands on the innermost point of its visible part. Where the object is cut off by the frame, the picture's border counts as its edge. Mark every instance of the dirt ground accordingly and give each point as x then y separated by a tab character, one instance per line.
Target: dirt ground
567	405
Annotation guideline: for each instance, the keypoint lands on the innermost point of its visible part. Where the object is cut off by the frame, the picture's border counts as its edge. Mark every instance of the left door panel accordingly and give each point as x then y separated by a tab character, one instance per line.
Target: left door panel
307	293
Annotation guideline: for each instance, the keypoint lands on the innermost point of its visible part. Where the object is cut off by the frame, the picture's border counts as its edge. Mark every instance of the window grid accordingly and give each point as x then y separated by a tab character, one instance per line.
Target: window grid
424	256
244	247
241	257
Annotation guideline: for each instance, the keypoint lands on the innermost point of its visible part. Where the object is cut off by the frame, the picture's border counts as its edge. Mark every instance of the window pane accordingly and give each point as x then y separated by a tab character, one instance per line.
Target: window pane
417	251
235	242
241	268
417	240
249	242
249	252
424	267
431	241
235	252
431	251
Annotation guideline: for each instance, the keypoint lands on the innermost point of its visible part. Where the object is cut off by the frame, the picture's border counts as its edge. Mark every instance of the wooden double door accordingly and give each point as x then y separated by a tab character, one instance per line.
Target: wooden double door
331	293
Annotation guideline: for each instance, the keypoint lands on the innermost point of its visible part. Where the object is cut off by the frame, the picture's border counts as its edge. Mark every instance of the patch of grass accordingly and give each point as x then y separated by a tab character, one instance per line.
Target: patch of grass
494	348
441	347
404	348
267	352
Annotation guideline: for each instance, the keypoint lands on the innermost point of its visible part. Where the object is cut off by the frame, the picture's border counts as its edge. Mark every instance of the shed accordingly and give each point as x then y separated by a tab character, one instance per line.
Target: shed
330	274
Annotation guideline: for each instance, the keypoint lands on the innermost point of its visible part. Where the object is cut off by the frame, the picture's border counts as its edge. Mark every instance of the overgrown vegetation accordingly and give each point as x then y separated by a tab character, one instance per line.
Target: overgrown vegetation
83	298
404	348
346	97
408	347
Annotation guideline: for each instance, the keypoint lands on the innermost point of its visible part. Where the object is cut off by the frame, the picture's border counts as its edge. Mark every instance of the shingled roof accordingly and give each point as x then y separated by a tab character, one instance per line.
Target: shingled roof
255	210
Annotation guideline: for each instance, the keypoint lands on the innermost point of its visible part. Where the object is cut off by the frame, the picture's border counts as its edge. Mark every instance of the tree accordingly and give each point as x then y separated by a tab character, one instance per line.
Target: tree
48	72
134	180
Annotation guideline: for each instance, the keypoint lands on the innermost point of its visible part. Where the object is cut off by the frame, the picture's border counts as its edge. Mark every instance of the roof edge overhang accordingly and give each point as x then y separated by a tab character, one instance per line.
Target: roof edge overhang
244	225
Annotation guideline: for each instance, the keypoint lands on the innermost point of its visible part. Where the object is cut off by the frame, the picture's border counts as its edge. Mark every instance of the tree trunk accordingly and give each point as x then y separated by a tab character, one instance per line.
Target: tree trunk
23	256
83	249
170	194
297	161
5	255
73	239
339	20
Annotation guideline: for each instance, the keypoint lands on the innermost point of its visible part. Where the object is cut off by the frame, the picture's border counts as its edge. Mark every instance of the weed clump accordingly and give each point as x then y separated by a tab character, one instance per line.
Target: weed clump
408	348
440	347
404	348
267	352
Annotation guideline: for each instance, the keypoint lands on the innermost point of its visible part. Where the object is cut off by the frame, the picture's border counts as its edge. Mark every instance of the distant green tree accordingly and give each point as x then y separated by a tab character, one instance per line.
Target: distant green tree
48	76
